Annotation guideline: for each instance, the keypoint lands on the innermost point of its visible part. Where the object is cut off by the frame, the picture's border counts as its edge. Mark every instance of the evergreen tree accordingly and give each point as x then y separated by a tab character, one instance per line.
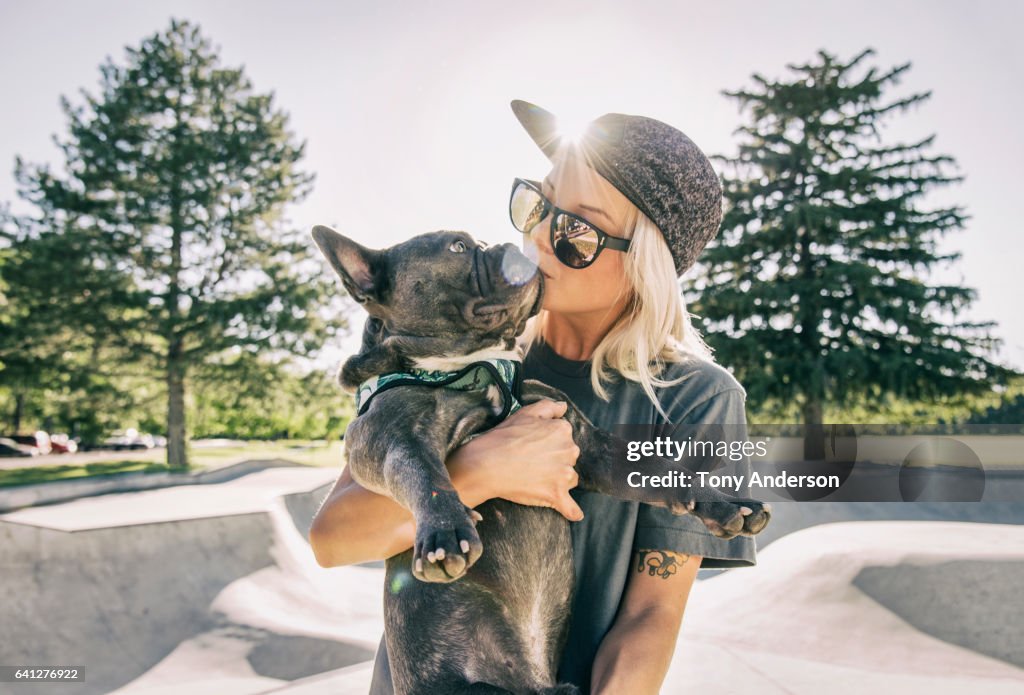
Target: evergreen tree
62	366
57	332
176	176
817	288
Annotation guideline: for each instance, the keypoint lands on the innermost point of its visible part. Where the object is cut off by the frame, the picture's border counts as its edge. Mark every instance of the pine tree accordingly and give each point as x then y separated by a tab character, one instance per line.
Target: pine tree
53	324
816	290
176	176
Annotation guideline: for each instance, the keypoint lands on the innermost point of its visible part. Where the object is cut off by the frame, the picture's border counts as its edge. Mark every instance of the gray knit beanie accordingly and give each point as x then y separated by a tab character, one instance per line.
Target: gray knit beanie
657	167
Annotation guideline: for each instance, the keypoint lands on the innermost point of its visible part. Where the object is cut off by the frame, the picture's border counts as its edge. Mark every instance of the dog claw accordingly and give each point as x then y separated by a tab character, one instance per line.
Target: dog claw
745	511
477	516
464	545
455	566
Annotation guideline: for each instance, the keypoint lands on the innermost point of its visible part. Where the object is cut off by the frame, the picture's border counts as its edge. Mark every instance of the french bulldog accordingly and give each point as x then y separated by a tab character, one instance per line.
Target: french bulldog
441	302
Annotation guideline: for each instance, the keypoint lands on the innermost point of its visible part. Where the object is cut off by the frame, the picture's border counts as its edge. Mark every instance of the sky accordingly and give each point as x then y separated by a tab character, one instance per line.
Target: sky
404	105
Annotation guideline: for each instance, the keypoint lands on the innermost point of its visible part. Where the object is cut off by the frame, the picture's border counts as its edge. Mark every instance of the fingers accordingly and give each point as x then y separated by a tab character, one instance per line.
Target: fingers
545	408
574	452
568	508
574	480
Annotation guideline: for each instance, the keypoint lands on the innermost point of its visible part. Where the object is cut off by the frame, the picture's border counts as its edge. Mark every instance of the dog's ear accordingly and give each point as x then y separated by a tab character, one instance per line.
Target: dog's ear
357	265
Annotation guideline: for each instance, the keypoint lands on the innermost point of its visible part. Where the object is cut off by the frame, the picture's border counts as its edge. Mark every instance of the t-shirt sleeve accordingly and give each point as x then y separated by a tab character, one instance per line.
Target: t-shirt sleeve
659	529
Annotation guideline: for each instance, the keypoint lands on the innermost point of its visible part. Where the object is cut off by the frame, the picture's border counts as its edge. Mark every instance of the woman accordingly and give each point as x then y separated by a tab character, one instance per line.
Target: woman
624	211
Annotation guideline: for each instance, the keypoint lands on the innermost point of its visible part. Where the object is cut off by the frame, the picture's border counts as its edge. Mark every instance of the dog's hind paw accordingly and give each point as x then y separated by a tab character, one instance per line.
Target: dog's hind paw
447	543
731	517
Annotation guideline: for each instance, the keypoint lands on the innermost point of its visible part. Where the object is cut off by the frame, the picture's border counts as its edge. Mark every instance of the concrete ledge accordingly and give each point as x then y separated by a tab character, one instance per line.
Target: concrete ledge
348	679
21	496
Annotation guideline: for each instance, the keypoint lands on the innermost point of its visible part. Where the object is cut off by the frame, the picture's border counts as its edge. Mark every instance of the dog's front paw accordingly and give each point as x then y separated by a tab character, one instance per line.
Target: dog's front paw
446	545
731	516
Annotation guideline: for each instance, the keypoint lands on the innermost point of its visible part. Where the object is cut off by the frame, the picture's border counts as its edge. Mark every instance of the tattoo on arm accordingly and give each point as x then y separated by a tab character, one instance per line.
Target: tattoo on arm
661	563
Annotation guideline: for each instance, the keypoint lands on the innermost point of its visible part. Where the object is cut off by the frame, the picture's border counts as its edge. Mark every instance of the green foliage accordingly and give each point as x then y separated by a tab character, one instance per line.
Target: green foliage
245	397
1005	409
816	290
163	244
60	367
889	409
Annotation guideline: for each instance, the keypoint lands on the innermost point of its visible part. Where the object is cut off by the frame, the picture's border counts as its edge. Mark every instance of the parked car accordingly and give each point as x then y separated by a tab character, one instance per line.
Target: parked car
62	444
9	447
40	441
130	439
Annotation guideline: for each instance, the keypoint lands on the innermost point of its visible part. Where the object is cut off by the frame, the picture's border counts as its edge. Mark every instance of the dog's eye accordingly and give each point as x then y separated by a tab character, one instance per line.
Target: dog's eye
457	247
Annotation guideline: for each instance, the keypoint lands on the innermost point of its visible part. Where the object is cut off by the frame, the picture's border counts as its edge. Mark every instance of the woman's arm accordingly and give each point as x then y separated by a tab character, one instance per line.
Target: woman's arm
355	525
635	654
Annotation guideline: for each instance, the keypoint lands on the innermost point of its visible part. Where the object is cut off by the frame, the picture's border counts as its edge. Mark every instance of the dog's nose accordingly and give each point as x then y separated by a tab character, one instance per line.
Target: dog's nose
516	268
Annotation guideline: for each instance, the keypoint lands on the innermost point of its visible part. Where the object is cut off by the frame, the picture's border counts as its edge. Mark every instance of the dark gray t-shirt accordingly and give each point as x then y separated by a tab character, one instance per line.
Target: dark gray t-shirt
604	542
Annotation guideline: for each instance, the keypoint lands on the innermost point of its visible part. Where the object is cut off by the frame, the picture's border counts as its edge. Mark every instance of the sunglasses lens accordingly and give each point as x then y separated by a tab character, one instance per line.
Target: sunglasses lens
575	243
526	208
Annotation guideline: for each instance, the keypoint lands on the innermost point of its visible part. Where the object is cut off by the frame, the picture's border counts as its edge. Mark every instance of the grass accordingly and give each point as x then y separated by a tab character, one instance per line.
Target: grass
309	453
46	474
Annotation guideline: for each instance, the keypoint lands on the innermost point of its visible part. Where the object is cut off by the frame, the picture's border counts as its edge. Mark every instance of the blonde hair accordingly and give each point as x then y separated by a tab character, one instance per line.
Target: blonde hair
654	329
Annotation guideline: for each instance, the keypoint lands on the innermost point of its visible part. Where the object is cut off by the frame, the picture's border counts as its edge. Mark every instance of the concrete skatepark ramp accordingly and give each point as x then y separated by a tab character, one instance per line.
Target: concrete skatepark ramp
213	589
854	607
204	589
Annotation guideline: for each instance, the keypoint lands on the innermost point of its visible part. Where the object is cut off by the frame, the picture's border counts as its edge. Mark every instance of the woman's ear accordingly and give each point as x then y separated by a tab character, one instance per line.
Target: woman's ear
356	265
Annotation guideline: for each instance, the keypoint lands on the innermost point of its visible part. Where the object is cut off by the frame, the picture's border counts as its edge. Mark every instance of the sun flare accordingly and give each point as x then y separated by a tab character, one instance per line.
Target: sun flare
573	126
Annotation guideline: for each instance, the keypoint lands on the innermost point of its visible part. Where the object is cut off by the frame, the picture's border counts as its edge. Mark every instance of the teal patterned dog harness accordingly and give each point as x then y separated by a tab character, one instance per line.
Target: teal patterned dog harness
478	376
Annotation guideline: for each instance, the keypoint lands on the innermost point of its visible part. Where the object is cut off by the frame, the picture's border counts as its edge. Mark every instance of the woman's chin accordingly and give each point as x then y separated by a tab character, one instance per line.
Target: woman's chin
558	307
551	301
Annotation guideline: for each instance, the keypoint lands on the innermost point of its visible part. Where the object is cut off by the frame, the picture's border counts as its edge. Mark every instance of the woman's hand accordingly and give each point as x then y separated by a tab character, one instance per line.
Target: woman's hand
529	458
